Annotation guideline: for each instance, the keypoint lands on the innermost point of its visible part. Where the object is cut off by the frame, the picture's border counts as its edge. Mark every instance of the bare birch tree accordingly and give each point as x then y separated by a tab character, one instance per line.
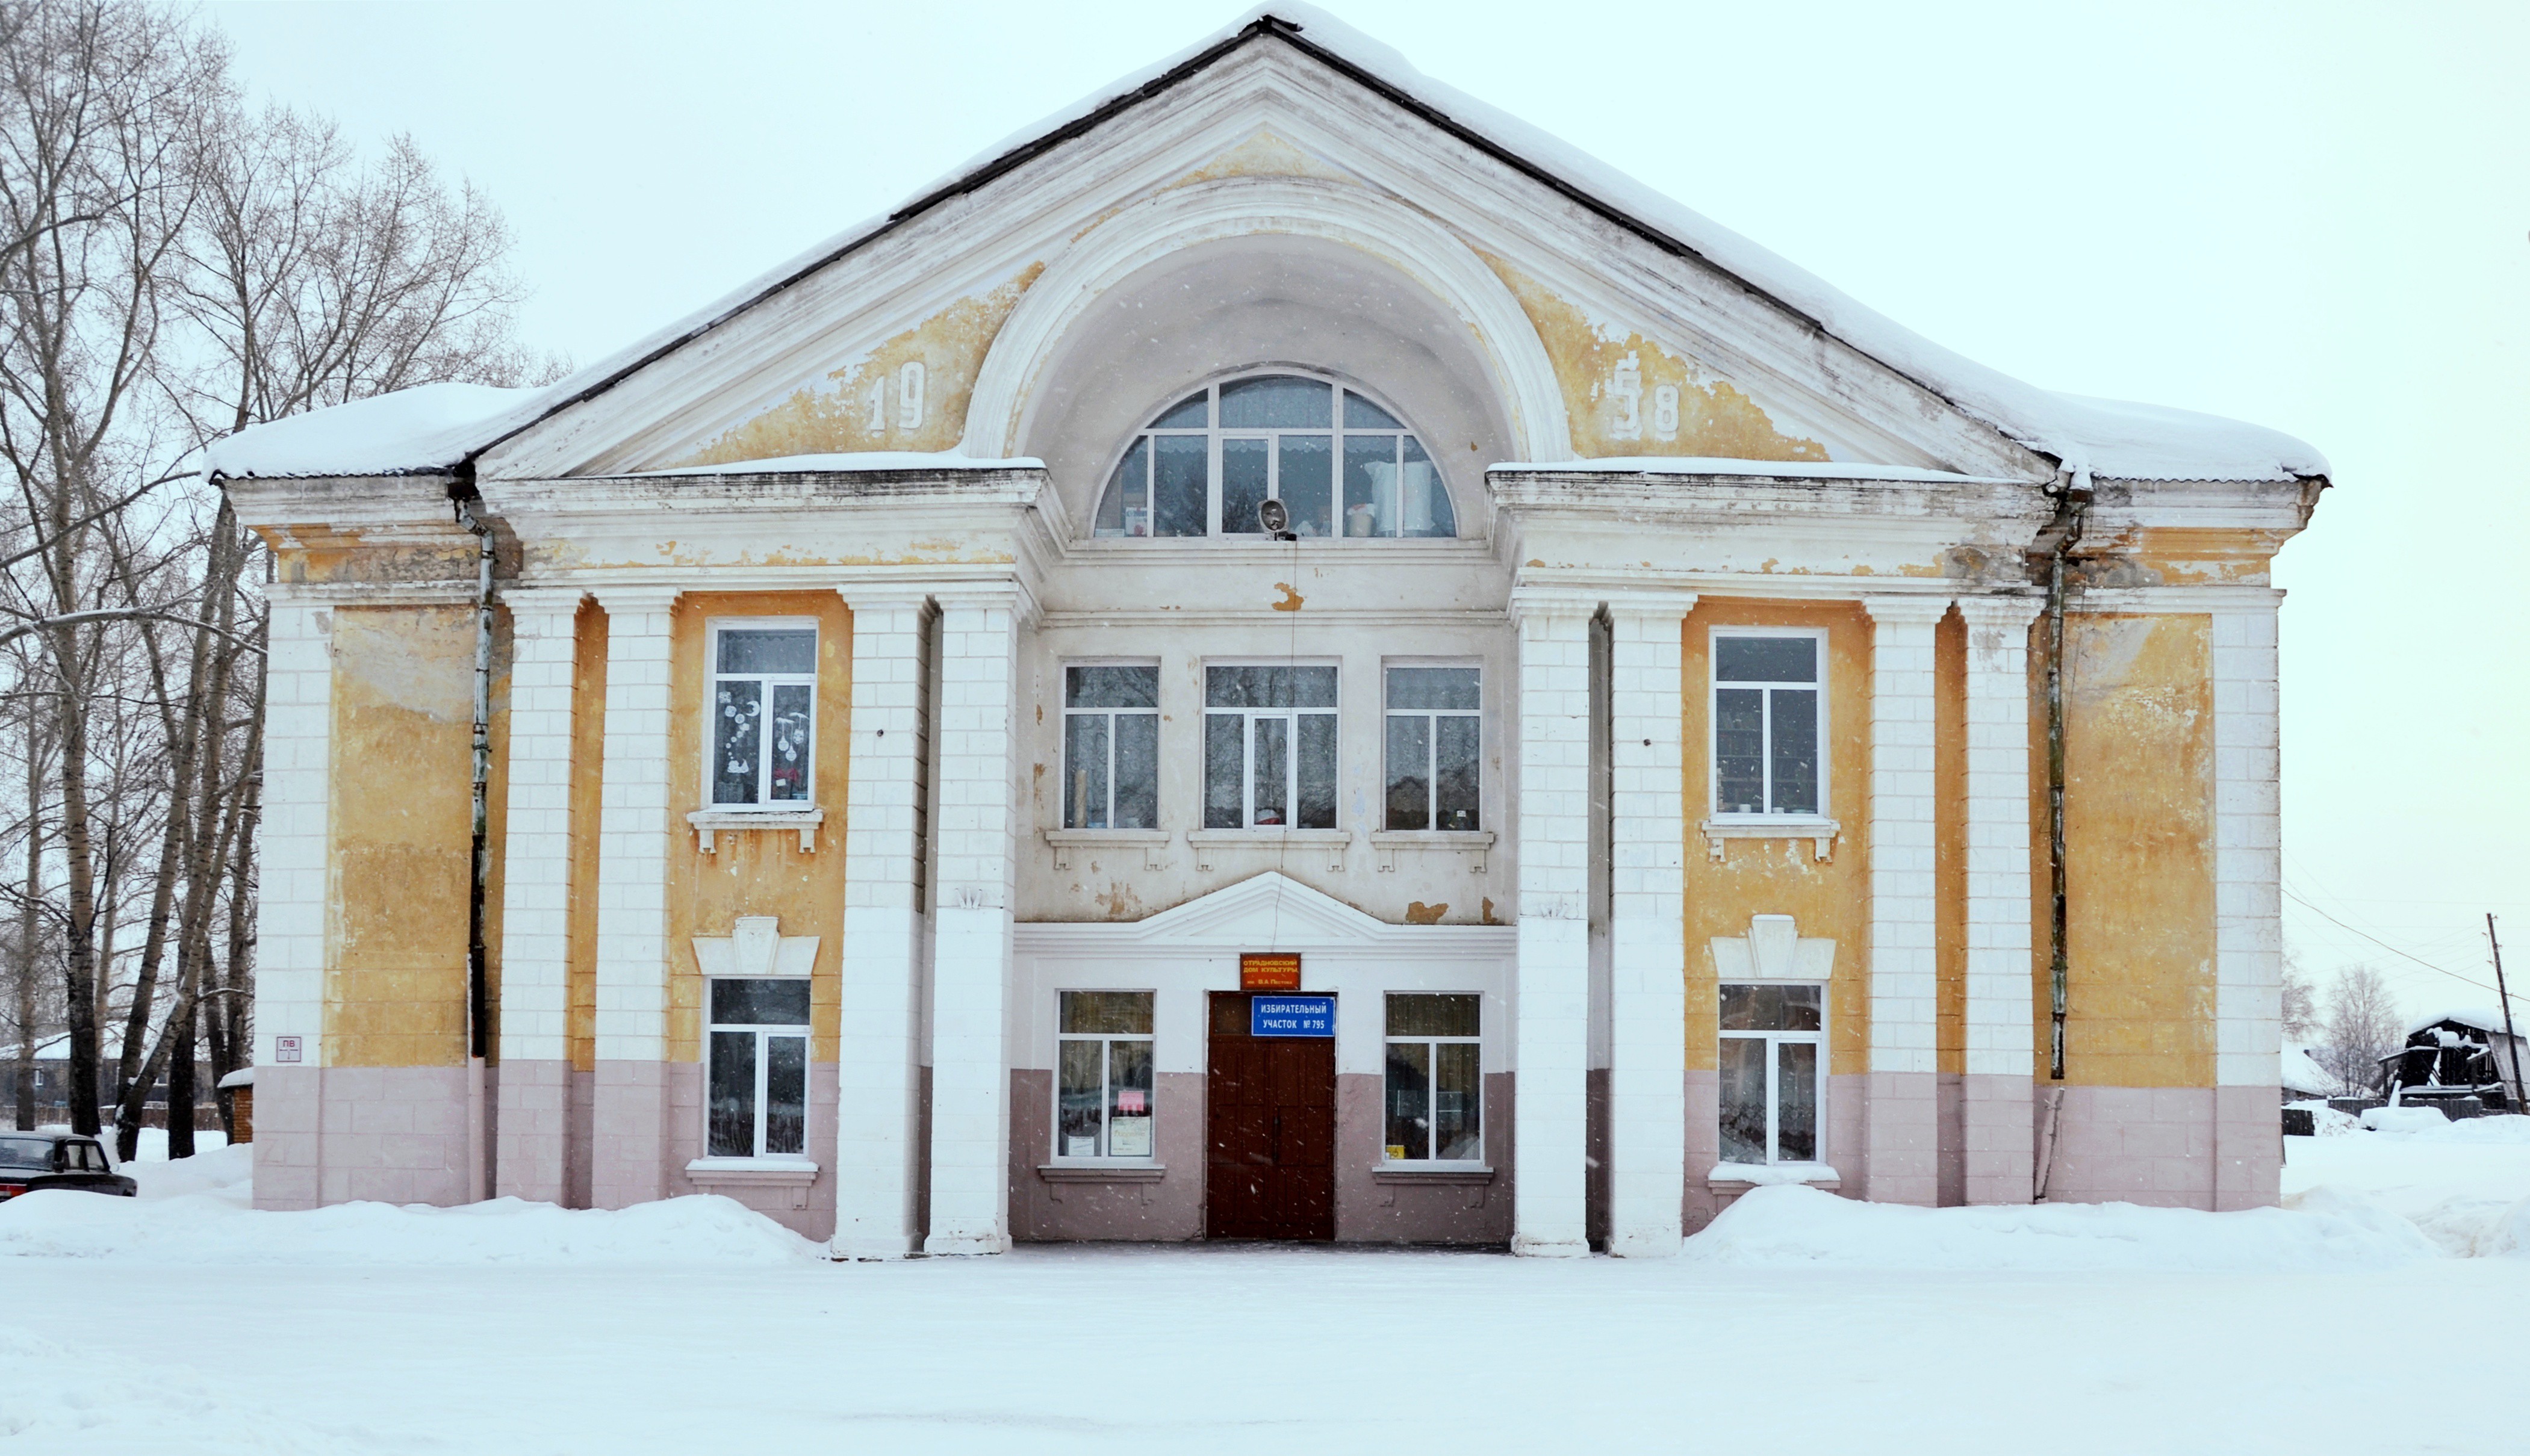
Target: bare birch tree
173	267
2362	1028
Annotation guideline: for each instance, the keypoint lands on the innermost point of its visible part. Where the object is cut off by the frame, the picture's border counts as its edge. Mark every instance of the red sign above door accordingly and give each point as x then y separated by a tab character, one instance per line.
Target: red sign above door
1269	972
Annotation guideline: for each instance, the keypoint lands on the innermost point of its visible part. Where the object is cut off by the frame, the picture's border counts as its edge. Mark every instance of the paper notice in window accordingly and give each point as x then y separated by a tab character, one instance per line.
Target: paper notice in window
1079	1146
1128	1137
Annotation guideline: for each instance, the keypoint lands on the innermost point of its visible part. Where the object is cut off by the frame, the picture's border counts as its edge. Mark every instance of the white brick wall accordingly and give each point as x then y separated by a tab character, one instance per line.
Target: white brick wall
883	930
1901	1115
971	939
1552	1006
632	829
1647	1077
1902	994
1999	1011
289	916
535	896
2248	935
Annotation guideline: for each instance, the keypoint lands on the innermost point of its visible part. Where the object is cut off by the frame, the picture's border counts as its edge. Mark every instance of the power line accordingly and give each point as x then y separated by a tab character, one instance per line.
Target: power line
2384	945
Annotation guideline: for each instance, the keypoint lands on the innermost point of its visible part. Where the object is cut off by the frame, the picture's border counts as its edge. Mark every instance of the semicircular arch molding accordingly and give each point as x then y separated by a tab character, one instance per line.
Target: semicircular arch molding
1147	233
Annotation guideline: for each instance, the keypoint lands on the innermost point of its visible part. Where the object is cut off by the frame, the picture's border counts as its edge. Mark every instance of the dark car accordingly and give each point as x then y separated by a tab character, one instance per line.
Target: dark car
33	1161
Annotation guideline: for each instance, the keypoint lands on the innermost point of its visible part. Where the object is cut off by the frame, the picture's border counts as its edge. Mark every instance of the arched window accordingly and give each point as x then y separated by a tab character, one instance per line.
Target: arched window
1340	464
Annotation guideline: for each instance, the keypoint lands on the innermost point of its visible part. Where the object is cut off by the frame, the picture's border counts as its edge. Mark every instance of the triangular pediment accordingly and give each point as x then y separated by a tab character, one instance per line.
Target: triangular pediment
940	331
1265	912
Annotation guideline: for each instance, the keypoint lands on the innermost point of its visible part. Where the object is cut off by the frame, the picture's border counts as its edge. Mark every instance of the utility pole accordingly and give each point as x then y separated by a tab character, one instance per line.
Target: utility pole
2513	1043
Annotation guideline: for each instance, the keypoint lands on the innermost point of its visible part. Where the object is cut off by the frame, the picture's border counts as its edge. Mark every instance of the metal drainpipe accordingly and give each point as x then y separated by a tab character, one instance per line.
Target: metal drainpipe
2068	527
478	1033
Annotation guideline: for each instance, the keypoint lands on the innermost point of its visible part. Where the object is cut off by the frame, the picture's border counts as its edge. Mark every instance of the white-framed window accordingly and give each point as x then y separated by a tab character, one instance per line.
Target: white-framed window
1111	745
1768	721
756	1080
1342	464
1435	747
763	711
1269	746
1102	1094
1436	1083
1774	1070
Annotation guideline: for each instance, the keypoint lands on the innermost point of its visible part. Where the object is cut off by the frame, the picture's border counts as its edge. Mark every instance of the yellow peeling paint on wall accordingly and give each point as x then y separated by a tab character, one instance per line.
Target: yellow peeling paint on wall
2182	556
909	394
1950	844
757	872
587	804
2139	852
1783	877
400	814
1628	395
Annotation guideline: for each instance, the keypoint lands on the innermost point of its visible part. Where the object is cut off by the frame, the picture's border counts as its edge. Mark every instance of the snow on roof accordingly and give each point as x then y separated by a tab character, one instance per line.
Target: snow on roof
2481	1018
241	1077
2301	1074
413	431
2107	438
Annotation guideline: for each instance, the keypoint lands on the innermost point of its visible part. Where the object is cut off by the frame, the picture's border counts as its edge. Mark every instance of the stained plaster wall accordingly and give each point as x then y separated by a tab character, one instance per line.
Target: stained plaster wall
400	873
2138	1106
753	872
1828	900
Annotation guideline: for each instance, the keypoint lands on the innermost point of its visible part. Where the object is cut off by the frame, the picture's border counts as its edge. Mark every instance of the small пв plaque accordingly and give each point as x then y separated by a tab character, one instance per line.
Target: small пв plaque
1269	972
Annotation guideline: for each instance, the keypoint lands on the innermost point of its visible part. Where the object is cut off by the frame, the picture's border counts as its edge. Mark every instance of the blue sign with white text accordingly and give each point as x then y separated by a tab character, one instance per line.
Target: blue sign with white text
1292	1016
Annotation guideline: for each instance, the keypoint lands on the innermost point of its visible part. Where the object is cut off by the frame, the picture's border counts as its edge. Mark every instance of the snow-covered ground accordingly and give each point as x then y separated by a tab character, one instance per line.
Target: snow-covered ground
182	1320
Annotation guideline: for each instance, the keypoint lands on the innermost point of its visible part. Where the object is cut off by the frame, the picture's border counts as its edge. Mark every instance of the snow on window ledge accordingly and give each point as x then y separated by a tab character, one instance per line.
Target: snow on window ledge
776	1170
1762	1174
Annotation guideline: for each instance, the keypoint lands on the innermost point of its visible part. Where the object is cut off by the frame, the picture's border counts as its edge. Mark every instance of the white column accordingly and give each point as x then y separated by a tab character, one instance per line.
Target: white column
875	1149
1995	1108
1647	927
1900	1114
535	897
1551	1016
970	1093
290	908
631	1124
2248	902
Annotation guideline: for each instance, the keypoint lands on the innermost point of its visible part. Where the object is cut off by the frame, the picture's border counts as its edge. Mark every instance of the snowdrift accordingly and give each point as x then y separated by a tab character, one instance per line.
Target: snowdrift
1803	1227
213	1228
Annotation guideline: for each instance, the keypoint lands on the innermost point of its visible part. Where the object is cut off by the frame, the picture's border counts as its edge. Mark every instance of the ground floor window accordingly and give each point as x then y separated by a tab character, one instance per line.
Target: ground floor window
1103	1096
757	1080
1436	1090
1772	1060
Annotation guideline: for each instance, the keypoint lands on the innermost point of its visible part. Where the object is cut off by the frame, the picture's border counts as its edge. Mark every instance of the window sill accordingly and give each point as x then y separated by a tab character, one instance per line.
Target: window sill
1473	843
1444	1174
710	821
756	1172
1153	843
1208	842
1720	831
1740	1177
1101	1172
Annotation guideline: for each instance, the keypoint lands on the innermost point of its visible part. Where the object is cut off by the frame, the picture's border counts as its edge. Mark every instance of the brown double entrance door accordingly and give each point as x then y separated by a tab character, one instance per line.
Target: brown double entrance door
1270	1109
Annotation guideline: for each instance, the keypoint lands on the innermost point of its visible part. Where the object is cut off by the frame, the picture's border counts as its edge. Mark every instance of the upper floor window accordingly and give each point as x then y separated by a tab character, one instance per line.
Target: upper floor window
1111	747
1340	464
764	693
1435	738
1769	723
1269	747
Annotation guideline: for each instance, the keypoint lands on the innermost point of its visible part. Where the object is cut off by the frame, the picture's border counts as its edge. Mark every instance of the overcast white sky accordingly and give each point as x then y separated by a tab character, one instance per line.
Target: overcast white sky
2311	216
